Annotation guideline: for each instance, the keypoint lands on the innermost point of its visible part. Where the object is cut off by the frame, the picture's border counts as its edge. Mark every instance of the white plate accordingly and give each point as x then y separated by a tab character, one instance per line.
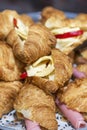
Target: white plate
8	122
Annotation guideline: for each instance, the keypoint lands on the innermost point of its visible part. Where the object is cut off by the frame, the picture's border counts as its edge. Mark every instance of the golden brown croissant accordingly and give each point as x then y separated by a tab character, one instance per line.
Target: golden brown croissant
34	104
29	47
59	27
27	20
45	84
63	67
51	72
8	93
53	22
75	95
10	67
81	16
62	28
49	11
8	20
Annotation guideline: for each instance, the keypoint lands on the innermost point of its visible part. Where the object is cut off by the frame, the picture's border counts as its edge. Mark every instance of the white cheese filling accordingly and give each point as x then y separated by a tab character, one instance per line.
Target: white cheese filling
63	43
44	66
21	30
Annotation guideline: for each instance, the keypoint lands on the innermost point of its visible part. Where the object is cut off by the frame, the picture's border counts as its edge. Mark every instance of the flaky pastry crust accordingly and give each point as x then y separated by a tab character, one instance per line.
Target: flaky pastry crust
38	43
7	22
81	16
45	84
75	95
10	67
63	67
54	22
61	74
67	45
8	93
34	104
49	11
79	21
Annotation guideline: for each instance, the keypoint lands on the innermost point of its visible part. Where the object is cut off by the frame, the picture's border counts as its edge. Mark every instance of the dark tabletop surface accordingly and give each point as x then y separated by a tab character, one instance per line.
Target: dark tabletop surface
26	6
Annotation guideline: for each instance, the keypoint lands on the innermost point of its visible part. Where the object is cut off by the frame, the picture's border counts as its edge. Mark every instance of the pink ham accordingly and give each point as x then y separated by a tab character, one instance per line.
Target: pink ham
30	125
78	74
74	117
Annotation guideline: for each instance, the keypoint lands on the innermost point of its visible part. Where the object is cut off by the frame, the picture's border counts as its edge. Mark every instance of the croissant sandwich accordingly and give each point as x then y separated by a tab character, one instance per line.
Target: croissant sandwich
29	46
8	20
69	32
72	102
35	105
50	72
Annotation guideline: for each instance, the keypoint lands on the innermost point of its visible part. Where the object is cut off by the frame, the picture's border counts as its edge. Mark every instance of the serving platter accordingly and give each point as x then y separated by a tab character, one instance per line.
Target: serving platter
9	121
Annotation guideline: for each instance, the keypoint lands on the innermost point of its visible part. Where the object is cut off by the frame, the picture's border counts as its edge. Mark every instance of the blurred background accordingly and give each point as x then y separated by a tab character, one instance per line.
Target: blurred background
26	6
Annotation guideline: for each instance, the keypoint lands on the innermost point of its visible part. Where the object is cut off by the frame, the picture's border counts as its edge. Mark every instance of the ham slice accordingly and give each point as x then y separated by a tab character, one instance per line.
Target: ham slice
30	125
78	74
74	117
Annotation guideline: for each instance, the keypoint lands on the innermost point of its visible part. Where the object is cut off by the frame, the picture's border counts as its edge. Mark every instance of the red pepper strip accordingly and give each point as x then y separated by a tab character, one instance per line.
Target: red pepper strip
23	75
15	22
69	34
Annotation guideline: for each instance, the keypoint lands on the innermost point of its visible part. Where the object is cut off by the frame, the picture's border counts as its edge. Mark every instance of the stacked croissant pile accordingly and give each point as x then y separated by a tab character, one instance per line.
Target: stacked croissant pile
42	68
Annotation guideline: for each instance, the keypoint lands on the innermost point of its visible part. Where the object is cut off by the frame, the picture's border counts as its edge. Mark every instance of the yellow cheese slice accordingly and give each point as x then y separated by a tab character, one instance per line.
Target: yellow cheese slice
42	67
